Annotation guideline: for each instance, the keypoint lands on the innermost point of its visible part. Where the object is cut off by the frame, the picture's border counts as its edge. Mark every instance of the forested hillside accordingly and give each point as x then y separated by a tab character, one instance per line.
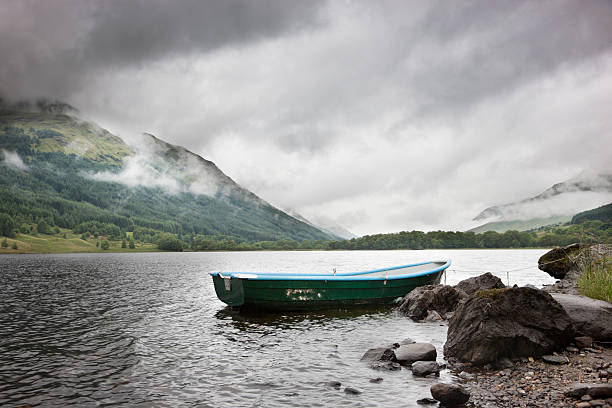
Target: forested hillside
57	171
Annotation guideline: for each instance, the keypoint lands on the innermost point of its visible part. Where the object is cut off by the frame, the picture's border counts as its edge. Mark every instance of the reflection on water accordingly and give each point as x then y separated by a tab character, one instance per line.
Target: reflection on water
147	330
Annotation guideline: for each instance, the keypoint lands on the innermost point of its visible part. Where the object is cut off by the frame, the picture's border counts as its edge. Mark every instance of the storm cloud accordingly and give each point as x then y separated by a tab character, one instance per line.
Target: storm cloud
382	116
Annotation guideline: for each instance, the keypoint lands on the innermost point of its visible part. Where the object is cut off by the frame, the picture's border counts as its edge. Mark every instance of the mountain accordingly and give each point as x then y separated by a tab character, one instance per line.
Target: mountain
554	205
603	213
520	225
70	172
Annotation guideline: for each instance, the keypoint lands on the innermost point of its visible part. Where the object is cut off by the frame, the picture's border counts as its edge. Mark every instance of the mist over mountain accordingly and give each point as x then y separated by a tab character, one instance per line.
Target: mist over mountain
556	204
70	171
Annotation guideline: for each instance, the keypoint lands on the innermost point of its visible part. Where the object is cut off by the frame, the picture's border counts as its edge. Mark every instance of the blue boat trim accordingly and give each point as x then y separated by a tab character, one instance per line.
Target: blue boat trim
350	276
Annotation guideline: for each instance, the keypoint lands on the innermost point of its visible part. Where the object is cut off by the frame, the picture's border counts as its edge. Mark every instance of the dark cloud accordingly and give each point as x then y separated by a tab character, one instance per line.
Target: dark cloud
50	48
367	112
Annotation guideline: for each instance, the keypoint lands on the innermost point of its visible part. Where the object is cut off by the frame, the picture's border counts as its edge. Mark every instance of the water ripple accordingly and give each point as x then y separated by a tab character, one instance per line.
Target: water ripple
147	330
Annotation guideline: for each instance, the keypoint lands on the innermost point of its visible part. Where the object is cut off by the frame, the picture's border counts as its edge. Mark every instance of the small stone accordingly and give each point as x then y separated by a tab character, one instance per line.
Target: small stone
450	394
379	354
586	398
334	384
465	376
603	374
377	380
597	403
583	405
425	368
583	341
530	359
503	363
572	349
555	359
426	401
407	340
352	391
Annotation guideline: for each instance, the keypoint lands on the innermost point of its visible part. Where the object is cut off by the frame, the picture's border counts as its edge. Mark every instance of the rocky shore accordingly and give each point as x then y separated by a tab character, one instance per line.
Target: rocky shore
513	347
536	383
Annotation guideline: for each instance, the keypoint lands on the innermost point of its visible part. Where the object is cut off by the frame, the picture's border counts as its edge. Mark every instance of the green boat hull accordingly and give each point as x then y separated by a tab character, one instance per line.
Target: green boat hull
299	295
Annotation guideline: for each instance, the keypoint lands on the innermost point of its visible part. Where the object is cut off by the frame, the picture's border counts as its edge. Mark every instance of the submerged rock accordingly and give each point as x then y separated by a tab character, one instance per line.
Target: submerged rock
485	281
379	354
450	395
511	322
425	368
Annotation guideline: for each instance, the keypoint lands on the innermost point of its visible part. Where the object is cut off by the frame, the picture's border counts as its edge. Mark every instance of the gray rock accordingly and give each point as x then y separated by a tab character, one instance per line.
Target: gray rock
407	354
407	340
511	322
352	391
577	390
379	354
572	349
483	282
590	316
425	368
555	359
441	298
450	395
376	380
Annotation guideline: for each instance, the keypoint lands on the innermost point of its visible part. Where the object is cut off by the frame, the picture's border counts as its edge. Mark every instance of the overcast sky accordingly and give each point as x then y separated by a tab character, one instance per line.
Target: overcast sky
381	115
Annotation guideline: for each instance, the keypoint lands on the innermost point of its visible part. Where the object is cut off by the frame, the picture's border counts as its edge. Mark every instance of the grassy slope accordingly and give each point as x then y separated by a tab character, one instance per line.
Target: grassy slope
52	244
520	225
80	138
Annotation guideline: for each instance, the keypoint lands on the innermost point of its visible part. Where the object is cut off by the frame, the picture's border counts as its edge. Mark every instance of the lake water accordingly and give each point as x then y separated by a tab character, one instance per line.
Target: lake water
146	329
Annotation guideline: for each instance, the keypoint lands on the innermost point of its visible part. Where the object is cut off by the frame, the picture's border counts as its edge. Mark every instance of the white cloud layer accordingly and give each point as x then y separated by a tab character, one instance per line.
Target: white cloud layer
382	116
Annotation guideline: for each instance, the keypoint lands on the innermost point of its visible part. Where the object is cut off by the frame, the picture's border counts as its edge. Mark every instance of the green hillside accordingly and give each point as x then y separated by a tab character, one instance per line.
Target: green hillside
603	213
61	172
520	225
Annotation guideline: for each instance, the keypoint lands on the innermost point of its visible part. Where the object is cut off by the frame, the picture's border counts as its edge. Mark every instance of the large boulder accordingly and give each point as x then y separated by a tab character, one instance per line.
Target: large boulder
425	368
441	298
559	261
591	317
485	281
511	322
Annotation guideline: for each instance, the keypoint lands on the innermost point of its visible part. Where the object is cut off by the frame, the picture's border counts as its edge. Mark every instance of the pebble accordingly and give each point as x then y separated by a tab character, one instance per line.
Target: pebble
352	391
377	380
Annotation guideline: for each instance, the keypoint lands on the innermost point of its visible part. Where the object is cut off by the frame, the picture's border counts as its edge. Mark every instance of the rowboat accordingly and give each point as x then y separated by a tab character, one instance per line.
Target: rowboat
292	291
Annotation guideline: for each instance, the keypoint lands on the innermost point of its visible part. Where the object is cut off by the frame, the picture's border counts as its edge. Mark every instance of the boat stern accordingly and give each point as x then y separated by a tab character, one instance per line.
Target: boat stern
229	290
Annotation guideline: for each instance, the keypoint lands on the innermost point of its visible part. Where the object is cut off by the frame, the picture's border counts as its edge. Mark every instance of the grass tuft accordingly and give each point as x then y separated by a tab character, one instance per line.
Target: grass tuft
596	280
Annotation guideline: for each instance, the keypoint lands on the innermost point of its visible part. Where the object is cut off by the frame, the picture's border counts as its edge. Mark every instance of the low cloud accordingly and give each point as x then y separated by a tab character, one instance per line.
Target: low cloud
12	159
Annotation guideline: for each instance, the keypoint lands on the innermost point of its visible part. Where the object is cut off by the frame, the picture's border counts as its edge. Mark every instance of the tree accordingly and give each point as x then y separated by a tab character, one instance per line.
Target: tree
123	243
4	243
105	245
44	228
7	225
132	246
14	246
169	243
97	244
